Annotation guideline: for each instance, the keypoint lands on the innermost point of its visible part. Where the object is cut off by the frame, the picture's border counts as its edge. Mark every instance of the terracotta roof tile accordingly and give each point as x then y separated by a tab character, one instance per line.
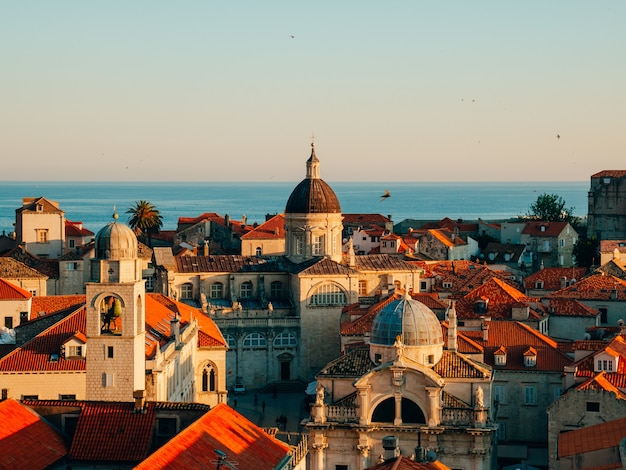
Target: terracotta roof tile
13	269
404	463
9	291
591	438
76	229
613	173
29	204
274	228
220	428
514	339
538	228
113	432
26	440
36	354
50	304
571	308
552	277
594	287
453	364
356	363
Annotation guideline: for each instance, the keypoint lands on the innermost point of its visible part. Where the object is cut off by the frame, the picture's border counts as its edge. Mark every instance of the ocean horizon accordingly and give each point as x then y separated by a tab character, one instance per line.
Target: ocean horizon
93	202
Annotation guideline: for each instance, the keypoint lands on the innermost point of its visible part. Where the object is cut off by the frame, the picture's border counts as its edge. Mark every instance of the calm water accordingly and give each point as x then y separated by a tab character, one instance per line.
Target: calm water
92	203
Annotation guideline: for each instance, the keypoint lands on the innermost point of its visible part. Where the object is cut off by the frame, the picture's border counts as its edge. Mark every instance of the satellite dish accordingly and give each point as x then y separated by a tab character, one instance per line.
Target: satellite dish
431	456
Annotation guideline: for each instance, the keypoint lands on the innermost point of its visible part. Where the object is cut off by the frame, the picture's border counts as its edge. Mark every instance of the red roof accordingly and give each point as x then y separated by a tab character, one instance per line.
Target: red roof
595	287
552	277
76	229
26	440
538	228
613	173
591	438
274	228
514	339
113	432
224	429
10	291
49	304
403	463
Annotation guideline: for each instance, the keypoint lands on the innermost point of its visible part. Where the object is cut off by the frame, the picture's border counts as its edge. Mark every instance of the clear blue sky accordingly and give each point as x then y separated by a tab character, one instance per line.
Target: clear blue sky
394	91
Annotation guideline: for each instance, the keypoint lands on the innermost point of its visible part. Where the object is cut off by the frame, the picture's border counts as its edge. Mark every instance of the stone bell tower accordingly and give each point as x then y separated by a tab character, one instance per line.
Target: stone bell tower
115	310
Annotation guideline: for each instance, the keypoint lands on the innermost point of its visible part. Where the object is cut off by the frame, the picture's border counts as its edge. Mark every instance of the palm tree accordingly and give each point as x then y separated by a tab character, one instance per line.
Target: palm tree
145	220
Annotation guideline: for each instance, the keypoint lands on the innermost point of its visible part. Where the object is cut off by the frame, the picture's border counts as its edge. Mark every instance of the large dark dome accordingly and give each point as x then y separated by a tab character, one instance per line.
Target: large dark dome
313	195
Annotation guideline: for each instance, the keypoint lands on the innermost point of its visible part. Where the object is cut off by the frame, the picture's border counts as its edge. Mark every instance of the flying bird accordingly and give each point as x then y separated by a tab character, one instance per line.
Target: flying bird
385	196
558	136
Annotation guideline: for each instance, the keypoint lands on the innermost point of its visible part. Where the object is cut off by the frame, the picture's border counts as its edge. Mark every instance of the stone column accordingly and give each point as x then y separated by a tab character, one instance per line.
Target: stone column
397	420
433	397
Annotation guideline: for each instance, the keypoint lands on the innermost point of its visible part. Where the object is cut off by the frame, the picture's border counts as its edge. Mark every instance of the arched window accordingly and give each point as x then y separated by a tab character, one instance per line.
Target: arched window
186	291
217	290
259	251
208	379
285	340
410	413
245	291
327	295
276	290
231	341
254	340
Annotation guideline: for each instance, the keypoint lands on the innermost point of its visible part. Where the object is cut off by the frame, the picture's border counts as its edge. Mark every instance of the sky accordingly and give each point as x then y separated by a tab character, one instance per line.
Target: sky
237	90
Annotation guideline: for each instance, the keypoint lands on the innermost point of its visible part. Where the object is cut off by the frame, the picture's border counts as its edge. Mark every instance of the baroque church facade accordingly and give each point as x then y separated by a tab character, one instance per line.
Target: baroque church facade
281	314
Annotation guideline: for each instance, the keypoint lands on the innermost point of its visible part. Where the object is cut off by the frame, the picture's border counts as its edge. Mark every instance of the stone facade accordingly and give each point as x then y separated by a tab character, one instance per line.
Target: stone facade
606	213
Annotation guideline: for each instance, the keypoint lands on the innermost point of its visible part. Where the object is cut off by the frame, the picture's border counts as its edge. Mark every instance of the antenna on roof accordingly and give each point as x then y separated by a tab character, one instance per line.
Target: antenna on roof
221	460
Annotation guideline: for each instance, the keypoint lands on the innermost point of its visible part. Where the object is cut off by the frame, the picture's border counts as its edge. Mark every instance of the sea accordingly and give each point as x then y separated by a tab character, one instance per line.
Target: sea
94	203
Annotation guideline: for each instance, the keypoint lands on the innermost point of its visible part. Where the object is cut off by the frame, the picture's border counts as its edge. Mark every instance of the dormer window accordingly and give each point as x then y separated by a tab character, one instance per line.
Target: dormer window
447	285
530	357
539	284
499	357
39	207
481	306
74	347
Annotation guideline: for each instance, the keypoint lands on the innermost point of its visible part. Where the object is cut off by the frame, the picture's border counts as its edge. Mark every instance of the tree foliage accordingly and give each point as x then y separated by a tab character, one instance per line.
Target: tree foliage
145	220
551	208
587	252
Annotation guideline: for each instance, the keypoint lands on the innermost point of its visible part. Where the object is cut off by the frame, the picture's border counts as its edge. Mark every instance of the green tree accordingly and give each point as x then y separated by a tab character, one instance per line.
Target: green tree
145	220
587	252
551	208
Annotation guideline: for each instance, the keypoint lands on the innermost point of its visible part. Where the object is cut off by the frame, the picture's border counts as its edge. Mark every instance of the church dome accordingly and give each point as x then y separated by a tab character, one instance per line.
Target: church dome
116	241
312	195
417	326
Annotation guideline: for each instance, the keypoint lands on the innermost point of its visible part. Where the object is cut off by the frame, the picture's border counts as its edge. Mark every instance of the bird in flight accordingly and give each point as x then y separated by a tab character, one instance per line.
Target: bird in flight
558	136
385	196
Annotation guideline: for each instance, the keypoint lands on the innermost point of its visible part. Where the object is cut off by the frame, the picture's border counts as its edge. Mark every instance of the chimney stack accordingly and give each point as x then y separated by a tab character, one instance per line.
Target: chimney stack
175	329
140	401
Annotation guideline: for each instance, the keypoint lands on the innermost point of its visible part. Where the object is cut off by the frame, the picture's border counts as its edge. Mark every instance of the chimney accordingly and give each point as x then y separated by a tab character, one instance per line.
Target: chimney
390	444
452	325
484	326
351	254
244	219
175	329
227	220
140	401
205	251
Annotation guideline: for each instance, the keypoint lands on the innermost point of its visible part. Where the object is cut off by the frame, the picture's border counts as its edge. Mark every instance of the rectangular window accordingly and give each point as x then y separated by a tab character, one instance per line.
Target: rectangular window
593	406
318	243
5	393
8	322
499	393
71	266
72	243
69	397
530	395
299	245
75	351
423	285
23	317
341	467
110	352
107	379
42	235
30	397
362	287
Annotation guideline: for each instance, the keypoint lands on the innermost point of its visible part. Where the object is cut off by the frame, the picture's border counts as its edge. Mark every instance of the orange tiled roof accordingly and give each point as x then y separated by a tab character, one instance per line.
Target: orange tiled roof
404	463
113	432
514	339
613	173
11	268
597	287
502	298
365	218
552	277
224	429
49	304
600	382
571	308
464	344
35	355
591	438
539	228
10	291
76	229
26	440
274	228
